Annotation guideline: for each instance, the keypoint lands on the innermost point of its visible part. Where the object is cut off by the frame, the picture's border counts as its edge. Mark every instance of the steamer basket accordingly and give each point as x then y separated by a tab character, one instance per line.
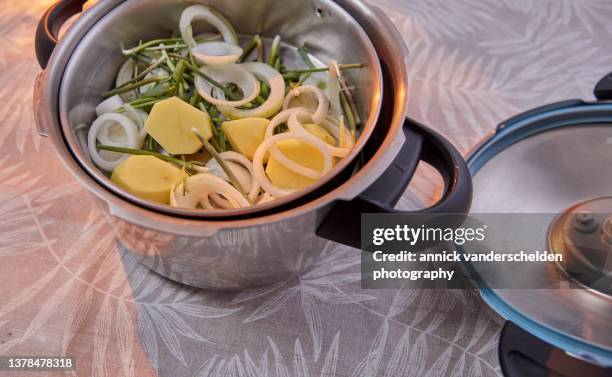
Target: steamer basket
325	27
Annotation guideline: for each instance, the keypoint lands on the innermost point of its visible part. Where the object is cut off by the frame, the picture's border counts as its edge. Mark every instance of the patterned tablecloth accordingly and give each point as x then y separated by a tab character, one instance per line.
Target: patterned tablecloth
67	289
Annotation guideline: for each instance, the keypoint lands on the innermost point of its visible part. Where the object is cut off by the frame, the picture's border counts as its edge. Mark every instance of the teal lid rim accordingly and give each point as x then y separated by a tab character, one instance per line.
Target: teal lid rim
564	114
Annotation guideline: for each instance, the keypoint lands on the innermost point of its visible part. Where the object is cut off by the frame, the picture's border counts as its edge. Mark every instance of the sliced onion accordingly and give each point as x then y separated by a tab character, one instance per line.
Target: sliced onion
268	143
275	100
114	133
296	127
346	139
139	117
216	201
201	12
216	53
283	117
266	198
111	160
334	89
224	74
242	169
337	131
126	73
323	102
201	186
109	105
306	100
343	141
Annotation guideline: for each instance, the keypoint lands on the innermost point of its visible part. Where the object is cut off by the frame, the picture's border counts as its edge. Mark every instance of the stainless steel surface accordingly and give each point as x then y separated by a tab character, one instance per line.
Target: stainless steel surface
547	173
328	31
242	253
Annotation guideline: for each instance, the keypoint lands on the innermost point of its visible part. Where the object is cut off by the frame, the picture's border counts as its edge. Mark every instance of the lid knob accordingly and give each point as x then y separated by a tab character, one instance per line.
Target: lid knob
583	235
584	222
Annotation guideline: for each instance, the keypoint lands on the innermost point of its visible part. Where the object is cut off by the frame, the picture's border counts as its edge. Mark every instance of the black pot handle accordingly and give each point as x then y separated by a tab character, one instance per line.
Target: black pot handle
523	355
49	26
343	222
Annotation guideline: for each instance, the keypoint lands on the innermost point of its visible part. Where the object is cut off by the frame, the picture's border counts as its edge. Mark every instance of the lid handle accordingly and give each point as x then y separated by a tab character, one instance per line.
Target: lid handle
603	89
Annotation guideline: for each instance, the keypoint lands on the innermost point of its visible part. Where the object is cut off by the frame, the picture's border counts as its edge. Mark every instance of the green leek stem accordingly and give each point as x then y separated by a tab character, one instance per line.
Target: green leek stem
156	42
141	152
178	72
303	52
250	47
274	51
166	47
325	69
136	85
142	74
169	62
261	53
348	112
151	44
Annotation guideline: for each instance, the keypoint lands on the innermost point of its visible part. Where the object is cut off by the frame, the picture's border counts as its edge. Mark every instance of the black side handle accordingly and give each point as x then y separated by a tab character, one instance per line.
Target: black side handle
47	32
343	222
603	89
523	355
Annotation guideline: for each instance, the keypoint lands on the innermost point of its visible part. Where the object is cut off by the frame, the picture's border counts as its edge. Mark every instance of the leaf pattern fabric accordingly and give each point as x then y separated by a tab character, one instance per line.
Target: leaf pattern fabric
68	288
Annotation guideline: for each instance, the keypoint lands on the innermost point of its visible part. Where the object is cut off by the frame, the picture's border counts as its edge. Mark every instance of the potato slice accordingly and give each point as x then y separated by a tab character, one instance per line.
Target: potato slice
170	124
320	132
147	177
301	152
245	135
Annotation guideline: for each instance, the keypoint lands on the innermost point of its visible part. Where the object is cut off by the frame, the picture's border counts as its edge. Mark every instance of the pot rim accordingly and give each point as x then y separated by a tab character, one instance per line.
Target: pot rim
47	97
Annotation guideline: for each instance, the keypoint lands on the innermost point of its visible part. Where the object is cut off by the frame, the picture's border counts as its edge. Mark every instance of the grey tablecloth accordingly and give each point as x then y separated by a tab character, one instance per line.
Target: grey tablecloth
67	289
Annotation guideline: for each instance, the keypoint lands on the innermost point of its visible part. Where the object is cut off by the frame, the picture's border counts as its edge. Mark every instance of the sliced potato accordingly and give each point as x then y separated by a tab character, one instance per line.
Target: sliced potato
170	124
245	135
147	177
300	152
320	132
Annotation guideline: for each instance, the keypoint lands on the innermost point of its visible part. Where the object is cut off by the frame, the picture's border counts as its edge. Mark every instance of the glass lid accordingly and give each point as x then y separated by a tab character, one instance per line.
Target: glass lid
557	160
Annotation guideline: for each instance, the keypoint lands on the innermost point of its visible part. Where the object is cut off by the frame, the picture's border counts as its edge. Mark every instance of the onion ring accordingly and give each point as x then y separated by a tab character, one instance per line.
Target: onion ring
248	183
126	73
323	102
109	105
336	131
216	53
201	12
273	103
203	185
280	118
104	122
268	143
233	73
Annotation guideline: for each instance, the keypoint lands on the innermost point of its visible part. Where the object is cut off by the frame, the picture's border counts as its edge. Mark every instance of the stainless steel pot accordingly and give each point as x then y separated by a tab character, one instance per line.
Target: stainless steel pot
245	250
